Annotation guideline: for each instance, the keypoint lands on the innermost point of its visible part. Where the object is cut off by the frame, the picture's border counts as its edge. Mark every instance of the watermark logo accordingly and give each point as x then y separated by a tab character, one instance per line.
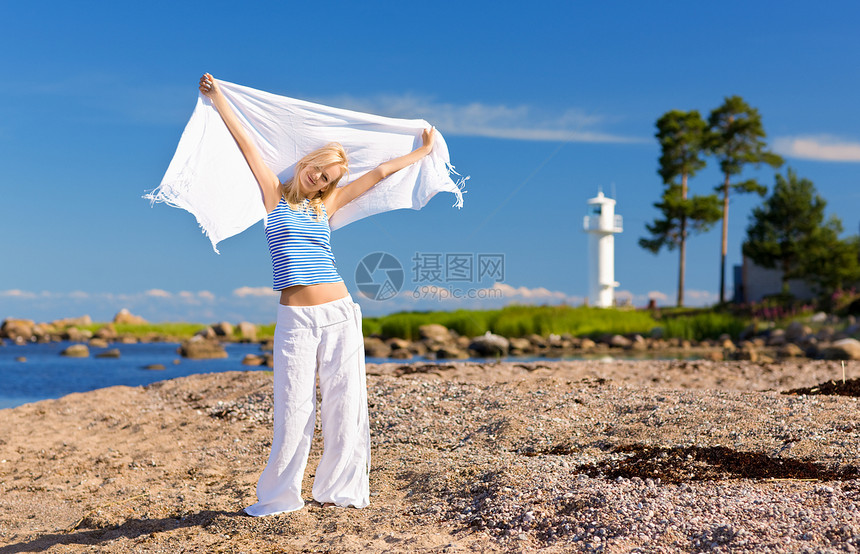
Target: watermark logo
379	276
435	275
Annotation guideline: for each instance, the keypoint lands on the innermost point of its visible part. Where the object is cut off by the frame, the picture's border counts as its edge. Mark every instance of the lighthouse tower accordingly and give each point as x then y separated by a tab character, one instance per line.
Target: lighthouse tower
601	224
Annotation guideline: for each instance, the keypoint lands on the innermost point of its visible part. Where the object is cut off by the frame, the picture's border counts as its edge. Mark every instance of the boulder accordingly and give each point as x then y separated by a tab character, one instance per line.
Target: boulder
520	344
83	321
587	344
17	329
400	354
247	331
107	332
398	344
223	329
74	334
790	350
199	348
253	360
776	337
125	317
434	332
110	353
845	349
619	341
537	341
76	351
208	333
154	367
450	352
375	347
98	343
796	331
491	345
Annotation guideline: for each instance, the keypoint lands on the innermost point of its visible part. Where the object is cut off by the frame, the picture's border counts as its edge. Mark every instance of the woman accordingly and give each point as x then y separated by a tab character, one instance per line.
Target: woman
318	328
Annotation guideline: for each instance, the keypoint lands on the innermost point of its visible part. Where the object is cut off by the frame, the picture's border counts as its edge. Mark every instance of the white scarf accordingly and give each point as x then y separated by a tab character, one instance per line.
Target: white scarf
209	177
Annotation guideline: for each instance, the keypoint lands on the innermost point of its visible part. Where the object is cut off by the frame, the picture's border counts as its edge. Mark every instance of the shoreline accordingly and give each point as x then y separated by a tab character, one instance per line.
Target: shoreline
521	457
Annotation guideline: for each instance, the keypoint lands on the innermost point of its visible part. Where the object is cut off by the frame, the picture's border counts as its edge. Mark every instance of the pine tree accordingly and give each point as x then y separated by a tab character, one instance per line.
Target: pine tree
736	138
681	136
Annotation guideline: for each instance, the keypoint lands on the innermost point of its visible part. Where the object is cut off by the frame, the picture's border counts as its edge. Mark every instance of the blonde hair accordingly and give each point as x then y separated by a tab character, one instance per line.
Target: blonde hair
330	154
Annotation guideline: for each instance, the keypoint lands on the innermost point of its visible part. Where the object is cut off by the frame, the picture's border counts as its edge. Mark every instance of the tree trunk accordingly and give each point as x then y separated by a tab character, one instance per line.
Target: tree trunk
682	263
725	243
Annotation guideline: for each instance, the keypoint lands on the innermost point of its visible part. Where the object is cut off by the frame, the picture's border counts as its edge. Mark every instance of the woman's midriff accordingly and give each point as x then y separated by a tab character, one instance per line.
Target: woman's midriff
311	295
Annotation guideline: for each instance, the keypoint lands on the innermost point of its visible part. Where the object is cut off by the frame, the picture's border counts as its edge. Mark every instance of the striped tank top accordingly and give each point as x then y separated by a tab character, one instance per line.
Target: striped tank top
300	246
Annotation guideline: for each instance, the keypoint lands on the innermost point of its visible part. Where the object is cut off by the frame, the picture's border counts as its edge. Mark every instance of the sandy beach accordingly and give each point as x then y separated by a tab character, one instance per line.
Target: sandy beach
584	456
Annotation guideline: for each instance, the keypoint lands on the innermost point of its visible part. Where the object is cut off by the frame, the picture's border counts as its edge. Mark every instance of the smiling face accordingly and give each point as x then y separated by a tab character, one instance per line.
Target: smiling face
313	179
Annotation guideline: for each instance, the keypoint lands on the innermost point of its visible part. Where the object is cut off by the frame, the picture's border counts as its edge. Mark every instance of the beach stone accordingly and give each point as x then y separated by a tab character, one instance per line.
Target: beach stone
253	360
776	337
17	329
98	343
247	331
125	317
450	352
154	367
434	332
112	353
520	344
83	321
397	343
537	341
106	332
74	334
375	347
489	344
587	344
199	348
845	349
223	329
208	333
796	331
401	354
76	351
21	359
790	350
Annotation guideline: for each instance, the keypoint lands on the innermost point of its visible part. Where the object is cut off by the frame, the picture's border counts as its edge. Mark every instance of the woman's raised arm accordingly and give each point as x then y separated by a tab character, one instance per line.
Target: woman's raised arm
345	194
266	178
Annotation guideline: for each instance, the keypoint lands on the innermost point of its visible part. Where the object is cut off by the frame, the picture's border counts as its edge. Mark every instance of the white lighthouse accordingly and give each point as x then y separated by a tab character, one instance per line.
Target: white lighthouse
601	224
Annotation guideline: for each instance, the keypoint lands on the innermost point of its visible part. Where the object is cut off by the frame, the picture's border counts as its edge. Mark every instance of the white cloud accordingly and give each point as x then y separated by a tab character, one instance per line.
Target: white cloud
17	293
206	295
521	122
158	293
658	296
818	147
539	294
243	292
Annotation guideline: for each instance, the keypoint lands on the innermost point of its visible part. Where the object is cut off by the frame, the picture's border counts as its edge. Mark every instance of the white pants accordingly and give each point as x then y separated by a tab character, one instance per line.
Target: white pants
327	339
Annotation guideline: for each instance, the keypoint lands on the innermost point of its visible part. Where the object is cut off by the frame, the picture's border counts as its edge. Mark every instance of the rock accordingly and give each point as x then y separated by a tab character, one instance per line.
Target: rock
747	351
587	344
21	359
638	344
374	347
98	343
253	360
401	354
537	341
223	329
247	331
76	351
790	350
154	367
619	341
398	344
845	349
796	331
776	337
450	352
199	348
126	317
490	345
434	332
17	329
208	333
111	353
749	332
107	332
520	344
83	321
74	334
820	317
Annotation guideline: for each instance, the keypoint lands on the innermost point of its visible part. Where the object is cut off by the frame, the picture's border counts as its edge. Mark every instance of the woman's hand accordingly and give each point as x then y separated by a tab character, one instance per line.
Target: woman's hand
427	137
208	85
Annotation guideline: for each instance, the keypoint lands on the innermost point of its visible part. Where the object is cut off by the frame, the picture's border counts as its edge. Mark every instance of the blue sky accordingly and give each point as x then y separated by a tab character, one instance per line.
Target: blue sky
541	105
